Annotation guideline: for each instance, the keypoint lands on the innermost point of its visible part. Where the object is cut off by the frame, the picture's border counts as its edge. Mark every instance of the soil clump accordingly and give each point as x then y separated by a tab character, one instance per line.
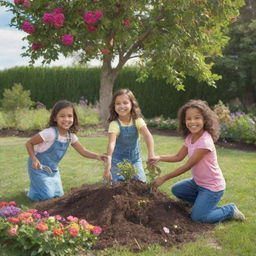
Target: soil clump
129	214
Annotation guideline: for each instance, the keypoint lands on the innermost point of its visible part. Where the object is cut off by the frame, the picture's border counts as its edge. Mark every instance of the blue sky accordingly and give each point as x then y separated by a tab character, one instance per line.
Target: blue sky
11	45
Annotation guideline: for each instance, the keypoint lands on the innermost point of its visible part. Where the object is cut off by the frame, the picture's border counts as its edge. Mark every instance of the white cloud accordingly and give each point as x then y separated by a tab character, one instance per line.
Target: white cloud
11	49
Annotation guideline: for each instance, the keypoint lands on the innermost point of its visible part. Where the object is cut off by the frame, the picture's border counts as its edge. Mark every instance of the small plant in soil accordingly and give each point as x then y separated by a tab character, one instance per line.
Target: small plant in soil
152	172
127	170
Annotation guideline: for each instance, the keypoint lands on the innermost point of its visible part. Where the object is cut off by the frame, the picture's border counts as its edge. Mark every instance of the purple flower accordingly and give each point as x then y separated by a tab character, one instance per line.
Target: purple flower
45	214
7	211
67	39
28	27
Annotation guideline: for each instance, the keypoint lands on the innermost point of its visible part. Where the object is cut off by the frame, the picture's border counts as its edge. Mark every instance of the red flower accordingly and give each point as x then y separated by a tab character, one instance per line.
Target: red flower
42	227
105	51
91	28
36	47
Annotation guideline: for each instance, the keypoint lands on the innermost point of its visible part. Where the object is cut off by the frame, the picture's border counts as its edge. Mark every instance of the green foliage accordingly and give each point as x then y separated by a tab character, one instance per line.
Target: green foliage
172	38
37	233
16	98
152	172
236	126
127	170
235	65
161	123
232	238
87	116
31	120
73	82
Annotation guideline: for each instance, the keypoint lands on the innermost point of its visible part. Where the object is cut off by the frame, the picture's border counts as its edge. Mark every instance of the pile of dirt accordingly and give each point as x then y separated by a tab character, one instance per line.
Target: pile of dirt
129	213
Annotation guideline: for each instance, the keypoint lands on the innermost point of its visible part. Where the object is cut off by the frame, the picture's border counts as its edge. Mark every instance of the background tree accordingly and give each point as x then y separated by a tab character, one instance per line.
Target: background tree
238	62
171	38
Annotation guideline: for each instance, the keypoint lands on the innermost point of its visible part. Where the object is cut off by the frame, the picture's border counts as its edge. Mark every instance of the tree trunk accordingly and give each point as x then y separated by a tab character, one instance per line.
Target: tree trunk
107	79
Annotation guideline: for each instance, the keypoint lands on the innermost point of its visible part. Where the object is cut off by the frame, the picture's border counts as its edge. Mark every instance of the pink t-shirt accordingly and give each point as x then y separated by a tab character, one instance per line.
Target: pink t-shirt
206	172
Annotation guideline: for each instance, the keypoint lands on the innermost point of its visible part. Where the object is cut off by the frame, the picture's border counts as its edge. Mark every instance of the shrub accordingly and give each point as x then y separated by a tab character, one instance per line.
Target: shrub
127	170
87	115
37	233
30	120
161	123
237	126
16	98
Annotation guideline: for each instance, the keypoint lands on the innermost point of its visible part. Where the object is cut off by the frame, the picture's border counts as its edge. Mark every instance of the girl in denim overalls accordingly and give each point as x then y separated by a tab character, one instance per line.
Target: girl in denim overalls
52	144
125	126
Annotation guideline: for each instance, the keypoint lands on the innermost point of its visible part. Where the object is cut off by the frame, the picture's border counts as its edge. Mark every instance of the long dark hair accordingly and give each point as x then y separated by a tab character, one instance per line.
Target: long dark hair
211	123
55	110
135	110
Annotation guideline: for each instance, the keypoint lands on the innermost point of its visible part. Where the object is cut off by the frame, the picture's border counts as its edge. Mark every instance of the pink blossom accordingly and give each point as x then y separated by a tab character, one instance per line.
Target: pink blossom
98	14
26	4
32	210
58	217
89	18
83	222
18	1
72	219
48	18
92	18
45	214
28	27
91	28
12	231
13	220
67	39
36	216
105	51
58	20
13	203
126	22
58	10
97	230
166	230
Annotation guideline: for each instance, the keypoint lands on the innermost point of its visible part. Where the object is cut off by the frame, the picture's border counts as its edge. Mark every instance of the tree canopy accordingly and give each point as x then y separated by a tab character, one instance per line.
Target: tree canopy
172	39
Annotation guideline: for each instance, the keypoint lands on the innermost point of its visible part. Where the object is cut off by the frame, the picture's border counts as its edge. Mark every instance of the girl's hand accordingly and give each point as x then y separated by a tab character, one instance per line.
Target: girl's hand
158	182
153	160
107	176
36	164
103	158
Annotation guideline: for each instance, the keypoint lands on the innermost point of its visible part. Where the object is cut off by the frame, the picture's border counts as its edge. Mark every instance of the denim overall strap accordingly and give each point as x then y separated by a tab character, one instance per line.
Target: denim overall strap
44	186
52	156
127	147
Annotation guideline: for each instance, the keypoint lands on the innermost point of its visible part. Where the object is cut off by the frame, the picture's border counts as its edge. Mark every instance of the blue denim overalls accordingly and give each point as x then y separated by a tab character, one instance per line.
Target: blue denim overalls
127	147
44	186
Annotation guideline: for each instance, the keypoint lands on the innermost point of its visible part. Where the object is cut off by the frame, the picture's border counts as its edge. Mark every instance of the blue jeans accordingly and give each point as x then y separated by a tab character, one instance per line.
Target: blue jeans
204	202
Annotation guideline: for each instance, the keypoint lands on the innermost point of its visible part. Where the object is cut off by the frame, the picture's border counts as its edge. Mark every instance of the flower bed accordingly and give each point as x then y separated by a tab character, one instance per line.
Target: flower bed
39	233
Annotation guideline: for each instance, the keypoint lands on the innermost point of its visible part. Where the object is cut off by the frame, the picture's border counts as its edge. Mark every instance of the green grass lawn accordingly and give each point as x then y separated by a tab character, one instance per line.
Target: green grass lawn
229	238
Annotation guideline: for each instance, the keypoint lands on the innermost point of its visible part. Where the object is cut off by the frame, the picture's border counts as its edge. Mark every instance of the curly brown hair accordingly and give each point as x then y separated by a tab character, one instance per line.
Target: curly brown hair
211	123
135	110
55	110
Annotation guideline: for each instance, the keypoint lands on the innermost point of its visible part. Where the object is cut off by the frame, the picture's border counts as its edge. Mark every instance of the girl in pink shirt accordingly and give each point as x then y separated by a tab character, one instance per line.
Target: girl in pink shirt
199	126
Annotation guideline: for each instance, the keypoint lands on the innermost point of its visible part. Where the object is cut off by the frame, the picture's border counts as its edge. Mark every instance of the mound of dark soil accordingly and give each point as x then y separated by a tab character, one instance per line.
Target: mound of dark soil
129	214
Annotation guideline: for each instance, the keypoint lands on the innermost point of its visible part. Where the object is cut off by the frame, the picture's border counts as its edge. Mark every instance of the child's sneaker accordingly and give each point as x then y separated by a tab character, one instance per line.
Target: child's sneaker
238	215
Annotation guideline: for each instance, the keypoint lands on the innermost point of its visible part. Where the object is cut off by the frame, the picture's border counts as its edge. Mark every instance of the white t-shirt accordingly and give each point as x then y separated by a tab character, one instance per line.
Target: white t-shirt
48	135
